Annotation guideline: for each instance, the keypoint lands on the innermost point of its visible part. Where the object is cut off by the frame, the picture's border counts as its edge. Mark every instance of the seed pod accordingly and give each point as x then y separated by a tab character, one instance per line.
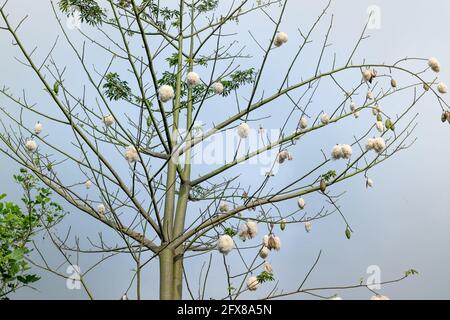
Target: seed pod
393	83
56	87
444	116
388	124
323	185
348	233
283	225
426	87
149	121
379	117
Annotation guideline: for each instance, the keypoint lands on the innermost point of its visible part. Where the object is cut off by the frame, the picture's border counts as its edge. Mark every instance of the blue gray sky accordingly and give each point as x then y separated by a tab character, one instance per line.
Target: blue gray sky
401	223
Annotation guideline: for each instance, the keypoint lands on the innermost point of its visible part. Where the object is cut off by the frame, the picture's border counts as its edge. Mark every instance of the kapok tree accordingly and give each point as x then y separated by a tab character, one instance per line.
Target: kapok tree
151	71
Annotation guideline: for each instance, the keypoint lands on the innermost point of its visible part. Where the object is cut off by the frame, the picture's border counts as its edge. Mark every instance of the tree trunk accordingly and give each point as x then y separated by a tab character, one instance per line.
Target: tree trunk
166	274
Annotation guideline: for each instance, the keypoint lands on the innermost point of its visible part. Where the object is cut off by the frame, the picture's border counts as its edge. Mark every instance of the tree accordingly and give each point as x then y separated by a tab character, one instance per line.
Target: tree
17	228
136	161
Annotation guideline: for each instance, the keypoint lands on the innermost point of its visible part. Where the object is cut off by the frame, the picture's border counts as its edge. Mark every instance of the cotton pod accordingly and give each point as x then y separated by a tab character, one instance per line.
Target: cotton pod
370	144
124	297
434	64
353	107
336	297
225	244
131	154
38	128
301	203
283	156
88	184
31	145
347	151
336	152
303	123
376	110
379	297
101	209
369	183
277	243
252	283
268	267
380	126
264	252
243	130
379	145
108	120
193	79
325	118
266	240
280	39
224	206
442	88
166	93
356	114
308	226
393	83
367	75
370	95
217	87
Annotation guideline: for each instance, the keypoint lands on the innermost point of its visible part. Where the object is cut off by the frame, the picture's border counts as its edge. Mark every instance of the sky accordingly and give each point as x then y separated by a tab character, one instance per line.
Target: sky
401	223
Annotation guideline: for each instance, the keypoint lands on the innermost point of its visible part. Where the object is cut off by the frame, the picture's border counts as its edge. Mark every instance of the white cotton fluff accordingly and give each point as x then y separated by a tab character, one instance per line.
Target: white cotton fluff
325	118
369	183
264	253
353	107
108	120
243	130
224	206
370	95
268	267
336	297
166	93
88	184
434	64
356	114
277	242
38	128
379	297
31	145
101	210
303	123
248	230
376	110
283	156
266	240
336	152
377	144
225	244
124	297
367	75
252	228
341	151
131	154
380	126
347	151
272	242
301	203
442	88
280	39
218	87
193	79
252	283
308	226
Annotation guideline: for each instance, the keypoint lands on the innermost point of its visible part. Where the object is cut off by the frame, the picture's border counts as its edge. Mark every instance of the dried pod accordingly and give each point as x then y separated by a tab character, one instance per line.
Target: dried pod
323	185
393	83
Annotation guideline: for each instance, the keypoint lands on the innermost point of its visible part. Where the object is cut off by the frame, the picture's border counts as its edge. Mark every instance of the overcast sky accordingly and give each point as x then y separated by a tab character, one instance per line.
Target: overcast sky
401	223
